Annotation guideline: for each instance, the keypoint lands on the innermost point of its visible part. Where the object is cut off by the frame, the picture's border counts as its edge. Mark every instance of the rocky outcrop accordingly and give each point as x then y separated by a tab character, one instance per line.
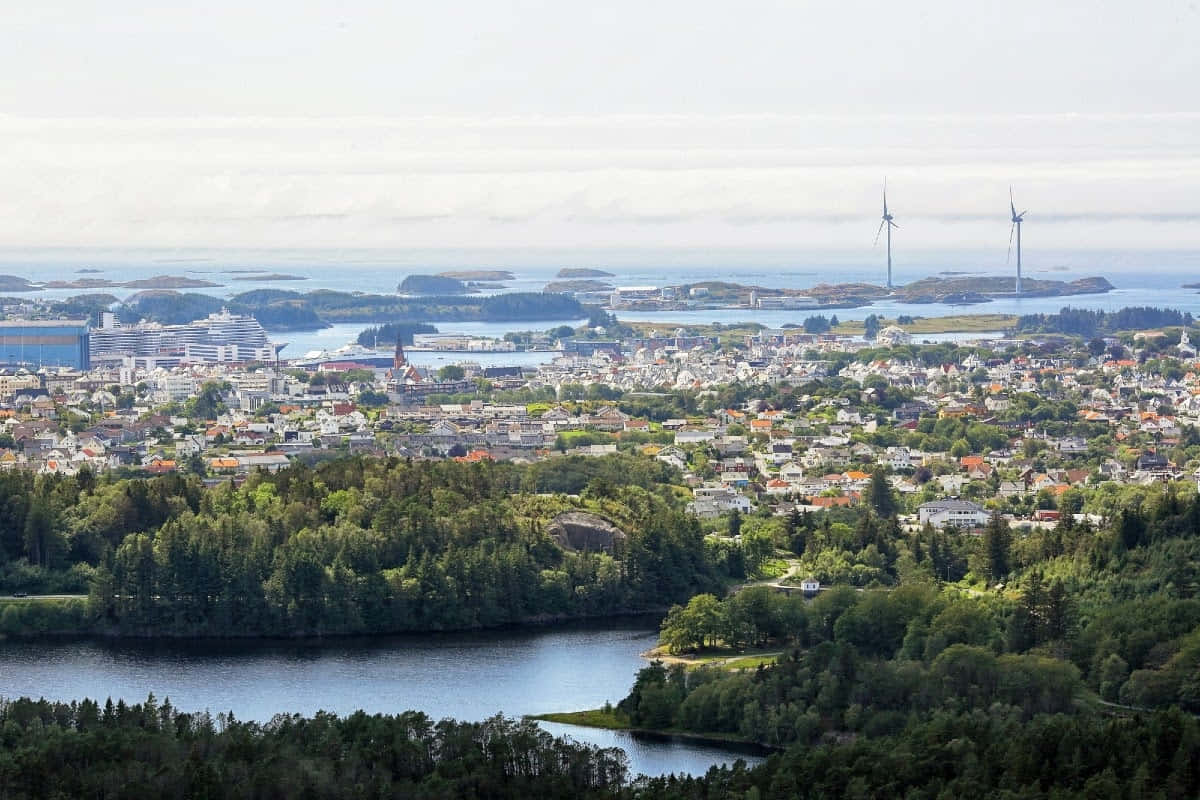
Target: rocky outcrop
584	531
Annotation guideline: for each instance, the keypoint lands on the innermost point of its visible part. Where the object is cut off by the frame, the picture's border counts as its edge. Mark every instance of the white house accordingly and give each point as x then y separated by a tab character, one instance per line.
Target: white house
957	513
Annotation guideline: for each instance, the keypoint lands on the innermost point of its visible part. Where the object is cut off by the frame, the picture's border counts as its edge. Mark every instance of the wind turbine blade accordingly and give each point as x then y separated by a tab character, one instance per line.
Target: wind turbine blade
1011	231
894	225
881	224
1011	204
1023	213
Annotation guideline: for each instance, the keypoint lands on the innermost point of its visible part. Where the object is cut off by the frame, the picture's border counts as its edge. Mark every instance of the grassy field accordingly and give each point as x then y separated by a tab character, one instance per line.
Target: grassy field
750	662
724	657
960	323
612	720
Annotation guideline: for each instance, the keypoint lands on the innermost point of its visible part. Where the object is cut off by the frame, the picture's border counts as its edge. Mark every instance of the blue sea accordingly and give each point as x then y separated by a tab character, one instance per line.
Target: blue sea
1143	277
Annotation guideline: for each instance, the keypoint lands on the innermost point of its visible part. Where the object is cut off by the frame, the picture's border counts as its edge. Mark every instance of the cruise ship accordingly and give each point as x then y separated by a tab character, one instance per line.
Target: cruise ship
220	338
352	352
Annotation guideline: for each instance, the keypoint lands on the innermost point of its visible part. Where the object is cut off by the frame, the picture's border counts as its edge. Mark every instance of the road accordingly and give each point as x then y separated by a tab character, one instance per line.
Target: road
44	597
774	583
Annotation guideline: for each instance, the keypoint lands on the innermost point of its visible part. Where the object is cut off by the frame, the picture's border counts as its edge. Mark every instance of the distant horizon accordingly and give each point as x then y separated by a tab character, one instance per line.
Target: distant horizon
980	260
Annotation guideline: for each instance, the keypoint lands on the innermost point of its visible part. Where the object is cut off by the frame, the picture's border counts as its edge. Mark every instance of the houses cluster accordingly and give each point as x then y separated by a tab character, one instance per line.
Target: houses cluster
1004	425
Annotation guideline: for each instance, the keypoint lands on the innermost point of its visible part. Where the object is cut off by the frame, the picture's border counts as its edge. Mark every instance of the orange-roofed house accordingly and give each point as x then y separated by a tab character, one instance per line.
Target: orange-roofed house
777	487
829	502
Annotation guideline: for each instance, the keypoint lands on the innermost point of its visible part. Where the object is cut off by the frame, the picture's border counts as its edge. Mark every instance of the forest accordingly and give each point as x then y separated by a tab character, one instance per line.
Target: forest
1084	322
1087	615
389	333
152	750
354	546
1074	674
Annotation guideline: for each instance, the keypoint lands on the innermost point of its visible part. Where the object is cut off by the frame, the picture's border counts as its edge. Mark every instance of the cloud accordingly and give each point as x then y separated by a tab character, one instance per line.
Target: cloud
640	180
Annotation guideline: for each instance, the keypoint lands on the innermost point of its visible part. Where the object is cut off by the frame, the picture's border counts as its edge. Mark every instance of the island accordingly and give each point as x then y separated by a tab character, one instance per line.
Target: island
170	282
479	275
582	272
84	270
274	276
13	283
947	290
981	289
157	282
432	284
285	309
83	283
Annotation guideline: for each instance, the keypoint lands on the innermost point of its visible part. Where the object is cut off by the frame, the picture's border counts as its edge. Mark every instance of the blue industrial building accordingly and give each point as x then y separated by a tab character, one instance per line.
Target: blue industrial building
40	343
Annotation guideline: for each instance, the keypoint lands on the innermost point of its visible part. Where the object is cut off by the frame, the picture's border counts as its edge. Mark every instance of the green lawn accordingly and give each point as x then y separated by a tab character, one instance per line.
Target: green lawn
959	323
593	718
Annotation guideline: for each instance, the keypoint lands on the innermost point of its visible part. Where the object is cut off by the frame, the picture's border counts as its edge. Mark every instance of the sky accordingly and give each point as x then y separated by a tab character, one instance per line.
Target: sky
656	125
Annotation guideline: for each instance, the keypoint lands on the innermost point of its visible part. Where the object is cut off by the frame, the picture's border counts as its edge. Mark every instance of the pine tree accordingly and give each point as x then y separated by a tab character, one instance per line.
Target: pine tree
997	542
735	523
1057	611
879	496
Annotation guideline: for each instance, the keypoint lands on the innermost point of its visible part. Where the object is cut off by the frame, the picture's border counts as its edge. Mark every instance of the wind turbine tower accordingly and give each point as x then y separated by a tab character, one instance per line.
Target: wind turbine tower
1016	228
886	223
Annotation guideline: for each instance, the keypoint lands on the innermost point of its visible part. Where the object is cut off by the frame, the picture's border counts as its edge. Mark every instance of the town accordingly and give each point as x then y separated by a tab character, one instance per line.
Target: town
773	421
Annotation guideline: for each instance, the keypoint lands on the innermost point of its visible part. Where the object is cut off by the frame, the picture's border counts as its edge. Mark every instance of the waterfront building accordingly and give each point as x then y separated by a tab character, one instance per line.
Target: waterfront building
45	343
220	338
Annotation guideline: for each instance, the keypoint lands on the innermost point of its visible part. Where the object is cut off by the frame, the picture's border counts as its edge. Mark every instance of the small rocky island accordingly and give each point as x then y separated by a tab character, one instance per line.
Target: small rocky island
273	276
157	282
582	272
432	284
478	275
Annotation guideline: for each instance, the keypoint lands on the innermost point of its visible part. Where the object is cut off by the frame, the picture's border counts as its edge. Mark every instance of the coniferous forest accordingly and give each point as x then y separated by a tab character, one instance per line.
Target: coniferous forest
1074	673
355	546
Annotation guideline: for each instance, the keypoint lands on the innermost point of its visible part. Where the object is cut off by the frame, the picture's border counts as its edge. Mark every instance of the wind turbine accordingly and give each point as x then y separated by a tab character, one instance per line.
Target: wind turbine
1016	228
886	223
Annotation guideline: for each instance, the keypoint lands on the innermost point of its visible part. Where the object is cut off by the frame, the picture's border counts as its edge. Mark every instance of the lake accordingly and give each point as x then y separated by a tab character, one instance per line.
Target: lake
467	676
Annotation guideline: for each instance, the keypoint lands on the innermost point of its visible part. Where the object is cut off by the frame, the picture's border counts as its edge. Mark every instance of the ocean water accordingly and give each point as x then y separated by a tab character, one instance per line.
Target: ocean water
1146	277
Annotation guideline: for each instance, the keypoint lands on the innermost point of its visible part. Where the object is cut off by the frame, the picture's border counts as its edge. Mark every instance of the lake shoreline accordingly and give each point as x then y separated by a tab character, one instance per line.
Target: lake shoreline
652	616
607	720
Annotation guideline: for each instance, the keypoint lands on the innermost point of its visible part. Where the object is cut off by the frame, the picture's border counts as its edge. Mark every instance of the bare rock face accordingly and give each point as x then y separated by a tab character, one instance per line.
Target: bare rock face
580	530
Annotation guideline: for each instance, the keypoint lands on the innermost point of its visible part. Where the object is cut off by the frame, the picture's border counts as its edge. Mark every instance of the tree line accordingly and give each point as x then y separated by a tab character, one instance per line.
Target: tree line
153	750
1089	323
354	546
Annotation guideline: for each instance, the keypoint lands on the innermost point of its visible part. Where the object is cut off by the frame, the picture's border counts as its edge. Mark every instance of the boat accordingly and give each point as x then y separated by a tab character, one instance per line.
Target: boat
351	352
